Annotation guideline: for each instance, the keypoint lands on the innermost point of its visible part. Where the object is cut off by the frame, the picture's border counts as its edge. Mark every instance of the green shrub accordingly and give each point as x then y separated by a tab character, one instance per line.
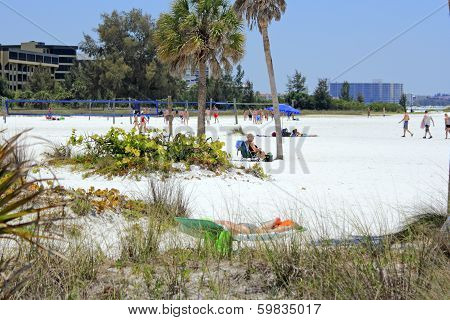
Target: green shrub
339	104
390	107
119	152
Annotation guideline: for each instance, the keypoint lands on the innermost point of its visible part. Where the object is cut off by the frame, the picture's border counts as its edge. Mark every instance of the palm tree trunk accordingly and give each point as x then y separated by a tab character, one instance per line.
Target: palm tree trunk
201	98
273	89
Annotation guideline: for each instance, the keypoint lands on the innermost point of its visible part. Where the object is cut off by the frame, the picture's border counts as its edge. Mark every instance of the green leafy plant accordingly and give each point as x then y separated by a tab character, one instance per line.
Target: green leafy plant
119	152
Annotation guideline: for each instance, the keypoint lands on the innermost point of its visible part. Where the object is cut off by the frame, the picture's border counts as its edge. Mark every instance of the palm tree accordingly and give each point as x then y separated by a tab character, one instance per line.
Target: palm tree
261	13
200	34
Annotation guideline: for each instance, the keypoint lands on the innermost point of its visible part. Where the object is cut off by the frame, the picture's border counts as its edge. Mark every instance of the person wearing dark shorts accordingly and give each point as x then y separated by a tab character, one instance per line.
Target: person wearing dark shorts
405	121
426	123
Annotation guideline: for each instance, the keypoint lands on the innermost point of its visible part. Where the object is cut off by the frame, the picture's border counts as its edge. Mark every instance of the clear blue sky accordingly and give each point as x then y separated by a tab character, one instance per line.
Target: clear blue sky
321	38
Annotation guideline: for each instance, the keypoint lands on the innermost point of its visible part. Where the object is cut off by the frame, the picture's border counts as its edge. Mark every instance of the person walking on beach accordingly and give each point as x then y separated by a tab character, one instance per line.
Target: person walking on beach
447	125
405	121
426	123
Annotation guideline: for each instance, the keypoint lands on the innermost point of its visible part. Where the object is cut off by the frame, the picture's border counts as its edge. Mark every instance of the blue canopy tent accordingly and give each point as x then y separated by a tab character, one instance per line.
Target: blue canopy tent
286	109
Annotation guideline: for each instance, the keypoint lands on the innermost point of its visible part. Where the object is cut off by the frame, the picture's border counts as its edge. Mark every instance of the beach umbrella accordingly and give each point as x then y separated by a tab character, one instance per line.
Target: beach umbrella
285	108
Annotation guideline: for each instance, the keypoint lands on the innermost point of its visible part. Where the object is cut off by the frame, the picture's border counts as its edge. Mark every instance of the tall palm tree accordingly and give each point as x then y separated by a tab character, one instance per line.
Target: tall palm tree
200	34
261	13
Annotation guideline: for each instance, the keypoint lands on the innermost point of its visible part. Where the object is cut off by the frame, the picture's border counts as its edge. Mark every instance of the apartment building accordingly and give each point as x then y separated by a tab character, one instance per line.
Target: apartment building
18	62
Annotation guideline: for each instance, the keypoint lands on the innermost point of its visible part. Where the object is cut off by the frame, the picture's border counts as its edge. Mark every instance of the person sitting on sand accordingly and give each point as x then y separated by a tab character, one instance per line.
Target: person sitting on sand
276	225
253	148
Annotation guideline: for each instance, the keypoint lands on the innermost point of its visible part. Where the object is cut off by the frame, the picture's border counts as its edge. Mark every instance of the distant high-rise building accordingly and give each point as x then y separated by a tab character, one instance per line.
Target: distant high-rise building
18	62
372	92
191	78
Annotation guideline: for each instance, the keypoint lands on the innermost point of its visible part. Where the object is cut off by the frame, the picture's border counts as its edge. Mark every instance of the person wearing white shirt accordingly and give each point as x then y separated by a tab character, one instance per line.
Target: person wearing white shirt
426	123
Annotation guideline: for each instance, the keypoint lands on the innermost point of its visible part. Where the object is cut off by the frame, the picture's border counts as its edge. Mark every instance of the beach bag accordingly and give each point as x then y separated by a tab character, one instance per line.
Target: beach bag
422	125
269	157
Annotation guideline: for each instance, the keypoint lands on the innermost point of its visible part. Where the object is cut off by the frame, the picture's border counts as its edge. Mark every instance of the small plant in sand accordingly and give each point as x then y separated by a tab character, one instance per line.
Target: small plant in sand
257	171
238	131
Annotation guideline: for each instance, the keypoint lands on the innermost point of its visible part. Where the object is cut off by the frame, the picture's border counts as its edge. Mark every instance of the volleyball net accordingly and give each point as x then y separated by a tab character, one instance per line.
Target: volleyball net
109	108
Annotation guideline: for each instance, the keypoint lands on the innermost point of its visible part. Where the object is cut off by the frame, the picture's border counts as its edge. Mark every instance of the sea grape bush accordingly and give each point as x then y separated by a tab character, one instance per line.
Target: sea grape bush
121	152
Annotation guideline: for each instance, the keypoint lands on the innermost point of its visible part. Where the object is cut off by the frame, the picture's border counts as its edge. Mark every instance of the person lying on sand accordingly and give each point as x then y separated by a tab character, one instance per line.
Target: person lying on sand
276	225
293	134
253	148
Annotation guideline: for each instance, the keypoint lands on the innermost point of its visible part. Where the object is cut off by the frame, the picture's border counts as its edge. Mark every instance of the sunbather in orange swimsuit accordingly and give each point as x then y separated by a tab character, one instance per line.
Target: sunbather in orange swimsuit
276	225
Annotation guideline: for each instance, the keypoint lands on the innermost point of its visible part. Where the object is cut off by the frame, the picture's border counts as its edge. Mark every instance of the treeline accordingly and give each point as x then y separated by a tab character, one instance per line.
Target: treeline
123	63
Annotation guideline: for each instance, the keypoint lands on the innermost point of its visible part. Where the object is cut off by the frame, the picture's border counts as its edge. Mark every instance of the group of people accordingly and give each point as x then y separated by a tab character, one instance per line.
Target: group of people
258	116
183	115
426	124
140	120
214	112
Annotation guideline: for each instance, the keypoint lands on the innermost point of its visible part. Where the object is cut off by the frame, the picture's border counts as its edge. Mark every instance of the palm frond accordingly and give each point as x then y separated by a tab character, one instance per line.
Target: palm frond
20	215
260	12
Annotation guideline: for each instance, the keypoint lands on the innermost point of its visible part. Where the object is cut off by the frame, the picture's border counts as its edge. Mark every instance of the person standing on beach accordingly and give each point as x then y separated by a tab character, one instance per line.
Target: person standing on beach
368	112
405	121
384	112
447	125
426	123
245	115
216	115
208	116
186	117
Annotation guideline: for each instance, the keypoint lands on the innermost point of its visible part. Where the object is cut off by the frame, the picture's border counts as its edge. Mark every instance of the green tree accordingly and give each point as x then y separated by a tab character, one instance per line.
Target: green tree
123	61
196	34
403	101
360	98
40	80
322	96
261	13
345	92
296	83
297	94
4	90
248	95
